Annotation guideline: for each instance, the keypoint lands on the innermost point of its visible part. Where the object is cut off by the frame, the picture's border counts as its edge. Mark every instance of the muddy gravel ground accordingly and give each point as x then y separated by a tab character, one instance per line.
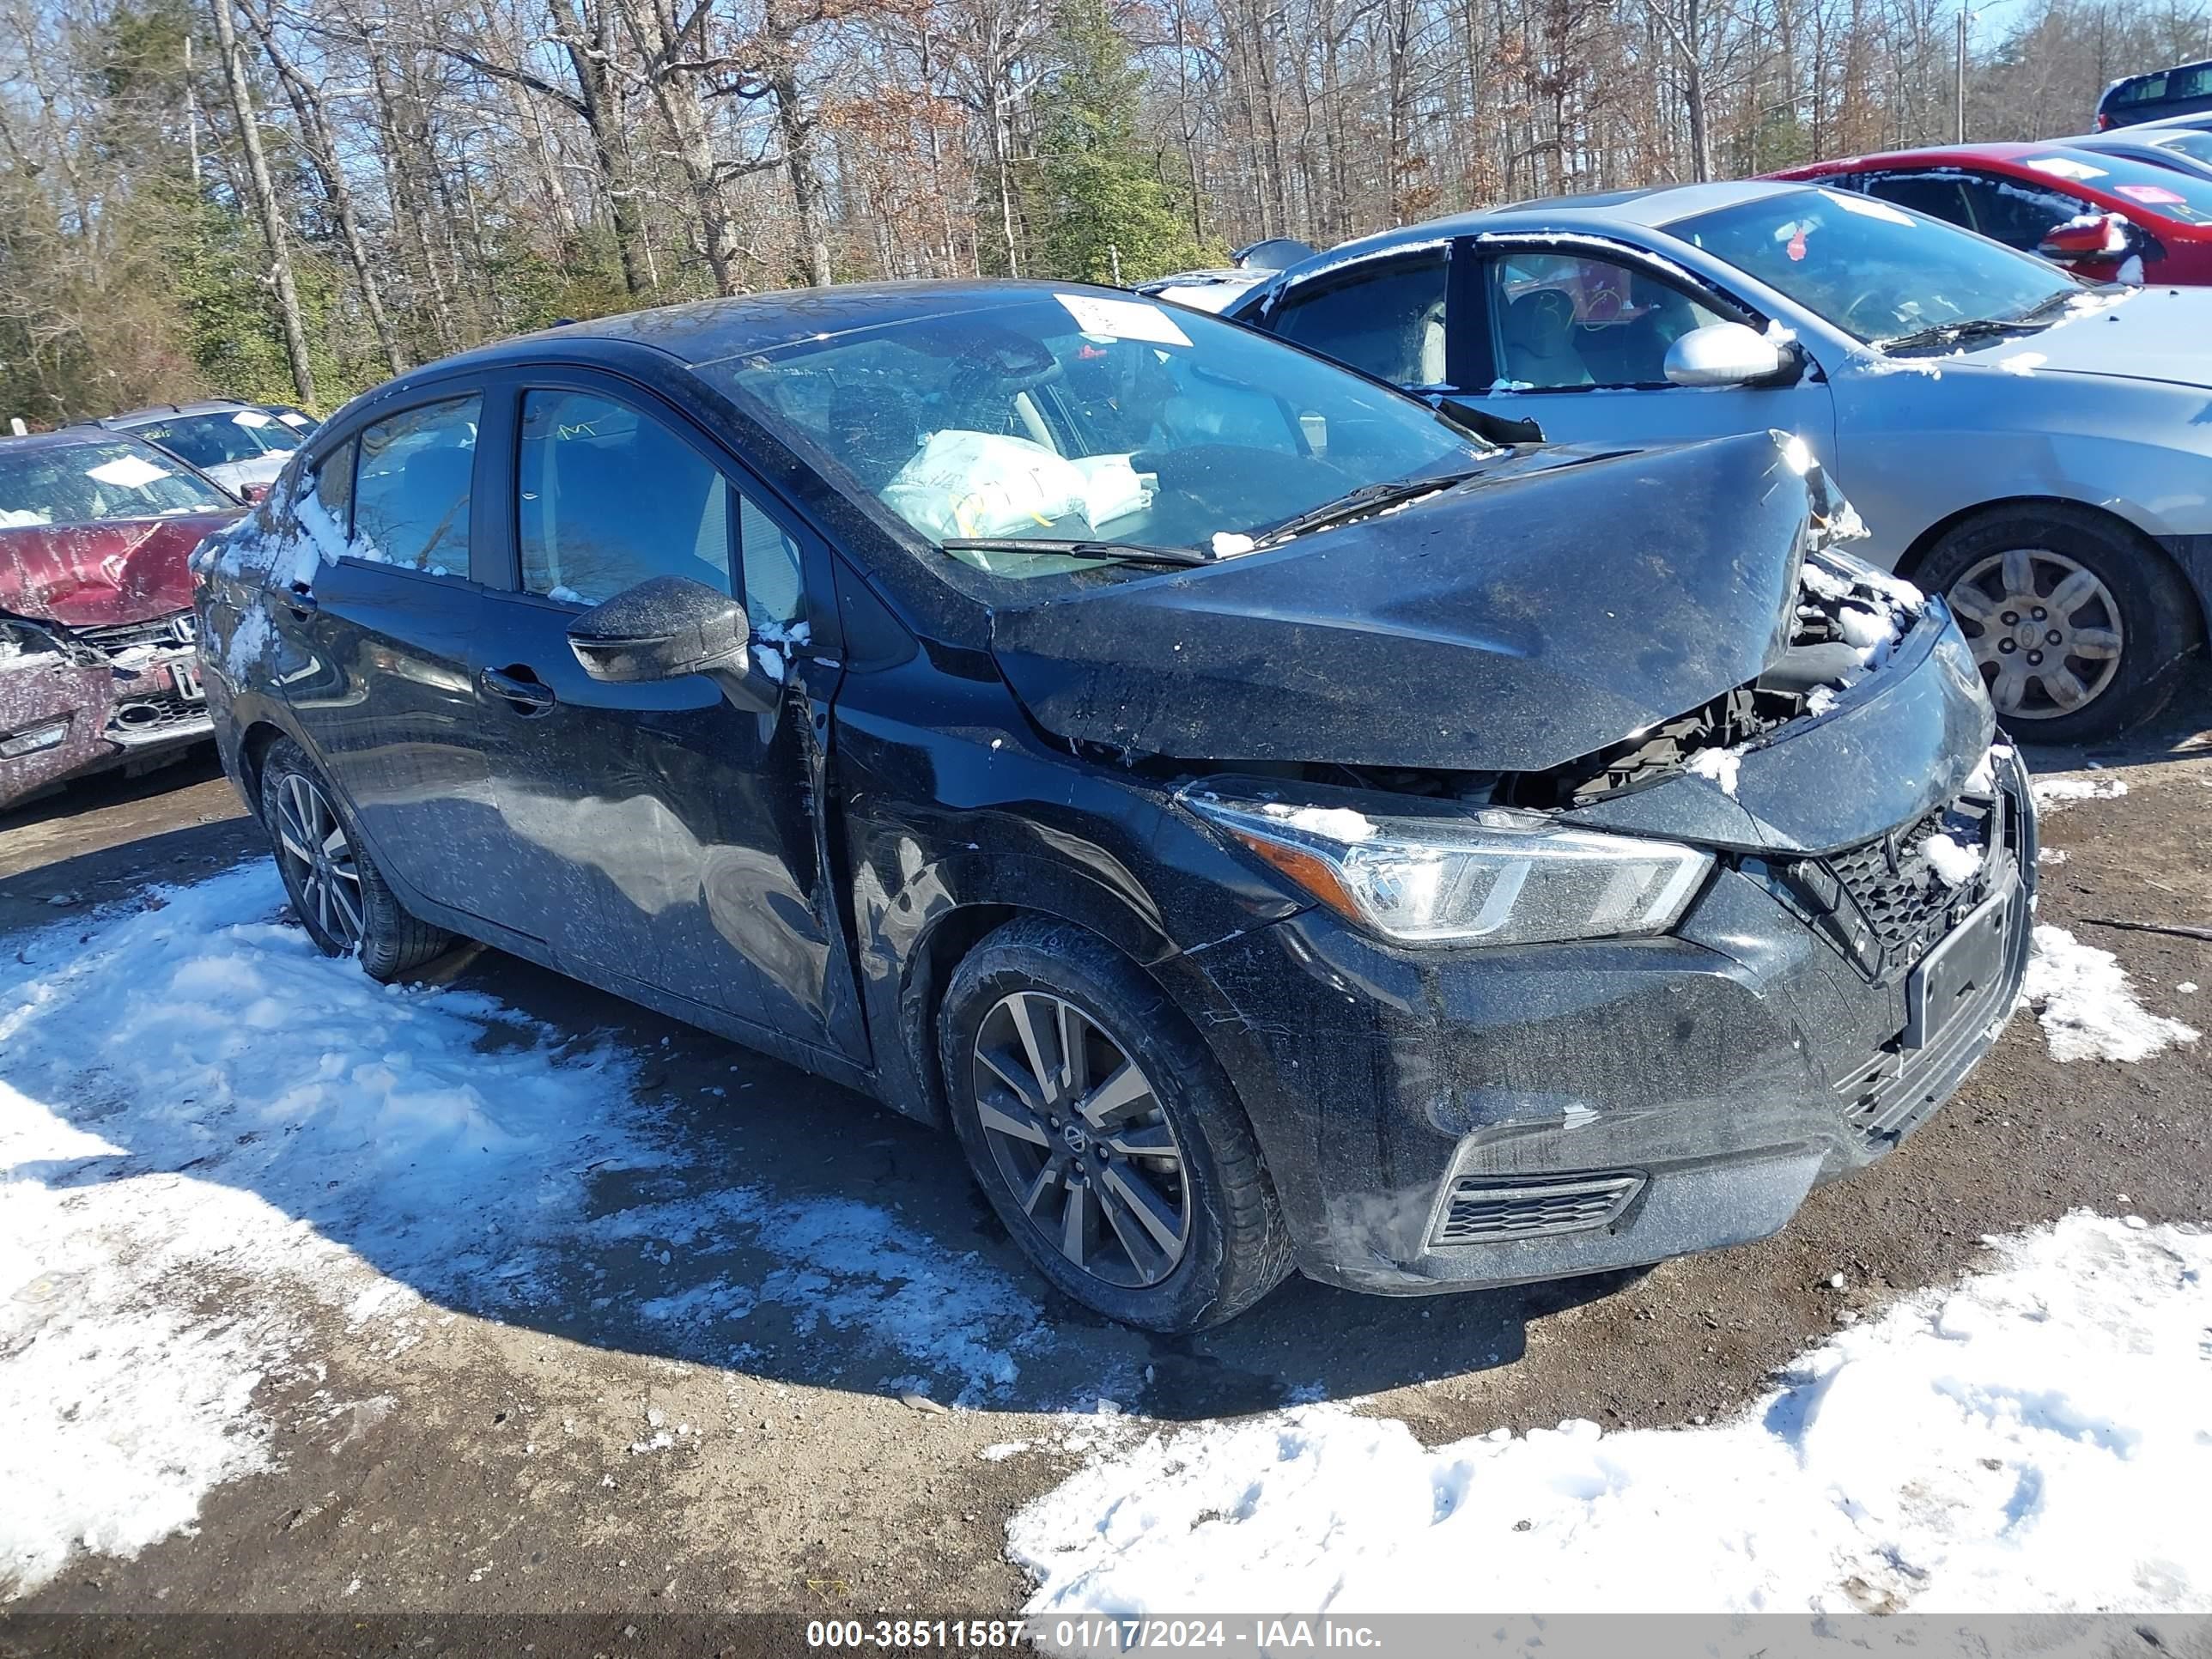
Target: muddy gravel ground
496	1476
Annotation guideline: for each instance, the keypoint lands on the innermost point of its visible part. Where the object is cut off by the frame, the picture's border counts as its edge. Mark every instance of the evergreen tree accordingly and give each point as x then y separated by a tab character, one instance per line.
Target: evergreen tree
1097	195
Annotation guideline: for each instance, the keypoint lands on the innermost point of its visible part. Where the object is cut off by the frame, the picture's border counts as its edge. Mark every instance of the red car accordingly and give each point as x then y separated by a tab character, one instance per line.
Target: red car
2103	216
97	666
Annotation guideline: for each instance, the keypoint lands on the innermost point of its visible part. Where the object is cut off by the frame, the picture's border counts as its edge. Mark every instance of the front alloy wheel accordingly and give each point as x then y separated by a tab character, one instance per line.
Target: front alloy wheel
1103	1133
312	844
1081	1140
2046	633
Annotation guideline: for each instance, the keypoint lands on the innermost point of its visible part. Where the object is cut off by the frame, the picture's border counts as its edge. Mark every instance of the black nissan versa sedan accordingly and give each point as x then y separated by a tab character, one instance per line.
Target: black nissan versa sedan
1271	825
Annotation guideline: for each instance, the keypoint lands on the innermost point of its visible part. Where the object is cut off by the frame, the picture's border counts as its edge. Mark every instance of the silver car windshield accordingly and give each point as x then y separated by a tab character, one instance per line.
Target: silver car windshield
1875	271
1092	423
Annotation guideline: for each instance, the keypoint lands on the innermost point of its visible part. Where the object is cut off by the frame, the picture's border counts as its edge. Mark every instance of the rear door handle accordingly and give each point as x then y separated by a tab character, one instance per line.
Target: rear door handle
519	689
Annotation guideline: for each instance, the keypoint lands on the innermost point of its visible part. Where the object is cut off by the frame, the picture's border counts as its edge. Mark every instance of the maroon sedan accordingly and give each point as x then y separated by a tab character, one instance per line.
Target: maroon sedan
97	667
2103	216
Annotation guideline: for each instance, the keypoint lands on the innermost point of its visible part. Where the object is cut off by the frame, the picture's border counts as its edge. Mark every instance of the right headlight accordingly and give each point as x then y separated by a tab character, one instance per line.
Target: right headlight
1495	877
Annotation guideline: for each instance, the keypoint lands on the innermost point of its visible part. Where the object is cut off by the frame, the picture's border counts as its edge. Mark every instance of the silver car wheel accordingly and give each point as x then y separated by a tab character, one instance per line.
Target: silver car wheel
2044	631
318	858
1081	1139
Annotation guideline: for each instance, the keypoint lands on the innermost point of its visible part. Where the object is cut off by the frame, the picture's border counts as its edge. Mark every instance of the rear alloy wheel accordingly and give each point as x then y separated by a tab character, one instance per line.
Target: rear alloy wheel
318	861
1103	1132
336	891
1079	1135
2072	617
2047	634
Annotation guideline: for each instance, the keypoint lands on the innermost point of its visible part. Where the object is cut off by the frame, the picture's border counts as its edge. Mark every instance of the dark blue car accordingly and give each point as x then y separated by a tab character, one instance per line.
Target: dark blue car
1271	824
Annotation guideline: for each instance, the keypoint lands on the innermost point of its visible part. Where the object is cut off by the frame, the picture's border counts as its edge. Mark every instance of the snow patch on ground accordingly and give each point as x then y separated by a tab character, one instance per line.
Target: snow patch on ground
2087	1005
216	1144
2052	793
2034	1440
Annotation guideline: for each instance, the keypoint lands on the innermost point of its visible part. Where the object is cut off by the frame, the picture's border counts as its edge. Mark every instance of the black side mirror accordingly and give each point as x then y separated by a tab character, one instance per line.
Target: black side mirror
667	627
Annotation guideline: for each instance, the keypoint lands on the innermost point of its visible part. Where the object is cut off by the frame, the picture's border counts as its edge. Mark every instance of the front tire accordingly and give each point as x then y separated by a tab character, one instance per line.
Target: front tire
336	891
1104	1135
2072	619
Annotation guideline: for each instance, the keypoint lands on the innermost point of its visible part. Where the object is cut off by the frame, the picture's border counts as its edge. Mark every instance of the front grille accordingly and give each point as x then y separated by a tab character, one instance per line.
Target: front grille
165	633
155	719
1881	903
1480	1210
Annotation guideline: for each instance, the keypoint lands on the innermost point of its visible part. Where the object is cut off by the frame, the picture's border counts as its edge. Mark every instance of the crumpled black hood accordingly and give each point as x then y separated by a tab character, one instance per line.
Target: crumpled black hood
1522	621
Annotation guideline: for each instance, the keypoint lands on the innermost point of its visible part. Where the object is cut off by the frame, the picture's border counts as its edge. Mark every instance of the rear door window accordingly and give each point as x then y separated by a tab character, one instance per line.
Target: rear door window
1387	319
411	488
1937	195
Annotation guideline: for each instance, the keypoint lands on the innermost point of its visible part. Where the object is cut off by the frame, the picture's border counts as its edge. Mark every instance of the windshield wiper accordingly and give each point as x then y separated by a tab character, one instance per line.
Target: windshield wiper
2047	308
1128	552
1368	498
1969	328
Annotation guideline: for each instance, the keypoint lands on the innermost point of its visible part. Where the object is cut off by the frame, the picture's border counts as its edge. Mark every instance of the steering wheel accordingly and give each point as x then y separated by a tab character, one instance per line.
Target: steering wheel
1852	311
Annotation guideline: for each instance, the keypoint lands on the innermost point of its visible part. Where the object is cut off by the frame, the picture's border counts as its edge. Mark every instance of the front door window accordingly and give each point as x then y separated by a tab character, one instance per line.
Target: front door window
1566	320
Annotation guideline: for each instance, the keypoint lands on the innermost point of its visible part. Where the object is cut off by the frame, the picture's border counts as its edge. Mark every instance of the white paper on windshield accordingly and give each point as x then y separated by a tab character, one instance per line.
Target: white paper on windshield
295	420
251	417
2063	166
1867	207
1122	319
126	472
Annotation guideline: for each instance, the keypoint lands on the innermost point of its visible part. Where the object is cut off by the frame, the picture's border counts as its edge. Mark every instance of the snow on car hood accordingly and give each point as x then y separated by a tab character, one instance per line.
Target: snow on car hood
1525	619
2160	334
88	575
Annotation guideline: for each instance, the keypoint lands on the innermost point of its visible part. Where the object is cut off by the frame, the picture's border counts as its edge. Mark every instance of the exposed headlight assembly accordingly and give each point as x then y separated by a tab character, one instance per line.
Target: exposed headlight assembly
1492	876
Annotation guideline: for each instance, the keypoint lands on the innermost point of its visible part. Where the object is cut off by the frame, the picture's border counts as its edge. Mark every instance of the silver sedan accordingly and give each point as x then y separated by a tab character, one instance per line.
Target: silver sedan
2036	449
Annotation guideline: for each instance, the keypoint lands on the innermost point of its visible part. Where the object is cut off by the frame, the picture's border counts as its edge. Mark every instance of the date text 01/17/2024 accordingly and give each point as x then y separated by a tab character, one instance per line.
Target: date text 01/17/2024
1088	1634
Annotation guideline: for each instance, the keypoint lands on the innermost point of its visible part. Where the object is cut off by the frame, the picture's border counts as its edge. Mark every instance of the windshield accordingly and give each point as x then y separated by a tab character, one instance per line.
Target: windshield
227	435
2195	142
89	483
2164	191
1875	271
1082	417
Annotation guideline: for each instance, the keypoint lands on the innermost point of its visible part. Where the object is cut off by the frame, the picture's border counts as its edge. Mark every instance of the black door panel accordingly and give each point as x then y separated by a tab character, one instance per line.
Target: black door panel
387	699
667	837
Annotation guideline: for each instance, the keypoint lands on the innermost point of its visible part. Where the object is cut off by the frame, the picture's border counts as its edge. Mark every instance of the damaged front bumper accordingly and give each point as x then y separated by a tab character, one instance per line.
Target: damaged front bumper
1441	1119
75	702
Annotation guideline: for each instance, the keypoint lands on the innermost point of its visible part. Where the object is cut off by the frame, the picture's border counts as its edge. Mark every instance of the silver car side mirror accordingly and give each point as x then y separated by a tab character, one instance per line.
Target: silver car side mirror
1723	354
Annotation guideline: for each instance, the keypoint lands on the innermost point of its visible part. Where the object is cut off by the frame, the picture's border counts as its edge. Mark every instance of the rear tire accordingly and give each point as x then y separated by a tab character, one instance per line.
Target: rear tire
336	891
1143	1198
2074	620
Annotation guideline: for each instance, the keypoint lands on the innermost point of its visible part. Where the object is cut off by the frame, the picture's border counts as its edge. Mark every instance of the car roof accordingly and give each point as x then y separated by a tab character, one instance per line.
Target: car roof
61	437
709	330
1650	208
154	412
2009	152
